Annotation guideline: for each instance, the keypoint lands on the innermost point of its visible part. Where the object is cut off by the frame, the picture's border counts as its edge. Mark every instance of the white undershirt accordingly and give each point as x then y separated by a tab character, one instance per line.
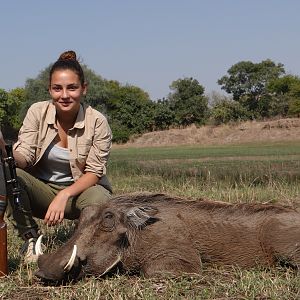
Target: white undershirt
54	165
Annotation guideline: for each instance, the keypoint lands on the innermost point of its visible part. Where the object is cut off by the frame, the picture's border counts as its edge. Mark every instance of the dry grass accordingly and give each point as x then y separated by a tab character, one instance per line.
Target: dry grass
238	133
214	282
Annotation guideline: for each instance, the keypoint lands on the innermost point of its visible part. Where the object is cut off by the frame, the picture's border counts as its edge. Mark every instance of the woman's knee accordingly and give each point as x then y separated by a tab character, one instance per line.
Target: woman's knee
95	195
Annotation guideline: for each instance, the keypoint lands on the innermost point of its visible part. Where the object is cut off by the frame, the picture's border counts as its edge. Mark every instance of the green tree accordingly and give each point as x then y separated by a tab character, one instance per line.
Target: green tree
248	81
130	108
294	108
37	89
285	92
3	105
98	90
188	102
163	115
10	119
226	111
16	98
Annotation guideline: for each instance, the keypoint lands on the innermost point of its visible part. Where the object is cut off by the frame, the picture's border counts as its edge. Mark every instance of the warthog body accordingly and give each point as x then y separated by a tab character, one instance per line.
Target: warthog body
156	233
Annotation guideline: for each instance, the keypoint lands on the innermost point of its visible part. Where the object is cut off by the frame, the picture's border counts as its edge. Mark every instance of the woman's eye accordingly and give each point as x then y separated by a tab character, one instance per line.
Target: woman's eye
73	87
56	89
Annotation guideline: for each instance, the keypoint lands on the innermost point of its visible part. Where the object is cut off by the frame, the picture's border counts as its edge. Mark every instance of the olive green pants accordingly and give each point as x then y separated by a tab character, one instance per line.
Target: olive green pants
36	196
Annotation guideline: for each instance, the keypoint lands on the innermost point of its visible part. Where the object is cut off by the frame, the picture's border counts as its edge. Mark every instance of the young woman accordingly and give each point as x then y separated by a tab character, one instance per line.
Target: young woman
61	155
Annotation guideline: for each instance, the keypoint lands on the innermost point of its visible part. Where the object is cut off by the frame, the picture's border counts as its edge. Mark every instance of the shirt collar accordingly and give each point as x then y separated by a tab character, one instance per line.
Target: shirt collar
51	115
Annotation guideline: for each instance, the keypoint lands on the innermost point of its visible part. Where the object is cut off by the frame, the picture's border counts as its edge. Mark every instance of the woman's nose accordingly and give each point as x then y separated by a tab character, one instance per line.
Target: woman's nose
65	93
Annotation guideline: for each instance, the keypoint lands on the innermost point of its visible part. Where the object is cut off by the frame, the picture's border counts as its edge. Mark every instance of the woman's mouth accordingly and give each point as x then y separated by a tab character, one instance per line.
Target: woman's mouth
65	103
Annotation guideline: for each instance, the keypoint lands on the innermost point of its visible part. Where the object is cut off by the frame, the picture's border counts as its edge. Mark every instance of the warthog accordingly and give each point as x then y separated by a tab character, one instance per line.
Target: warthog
155	233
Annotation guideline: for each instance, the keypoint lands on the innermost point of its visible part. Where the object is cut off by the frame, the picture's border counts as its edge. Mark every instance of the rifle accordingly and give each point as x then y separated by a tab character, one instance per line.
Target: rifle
11	178
3	226
7	178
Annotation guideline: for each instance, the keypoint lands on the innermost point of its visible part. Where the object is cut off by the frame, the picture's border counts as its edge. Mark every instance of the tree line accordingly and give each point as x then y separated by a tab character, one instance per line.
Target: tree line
253	91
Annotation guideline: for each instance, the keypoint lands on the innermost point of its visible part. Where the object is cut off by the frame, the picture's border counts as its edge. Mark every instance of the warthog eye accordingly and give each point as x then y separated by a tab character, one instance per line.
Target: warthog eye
108	215
108	221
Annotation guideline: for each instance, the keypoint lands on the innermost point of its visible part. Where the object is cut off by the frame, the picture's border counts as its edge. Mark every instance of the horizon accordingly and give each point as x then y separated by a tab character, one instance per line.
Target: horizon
148	45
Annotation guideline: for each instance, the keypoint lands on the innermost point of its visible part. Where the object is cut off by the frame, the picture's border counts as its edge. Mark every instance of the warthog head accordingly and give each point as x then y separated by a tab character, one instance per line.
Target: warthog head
97	245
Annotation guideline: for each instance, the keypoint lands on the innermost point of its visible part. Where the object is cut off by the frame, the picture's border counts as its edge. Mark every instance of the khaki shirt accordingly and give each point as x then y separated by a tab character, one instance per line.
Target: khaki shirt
89	141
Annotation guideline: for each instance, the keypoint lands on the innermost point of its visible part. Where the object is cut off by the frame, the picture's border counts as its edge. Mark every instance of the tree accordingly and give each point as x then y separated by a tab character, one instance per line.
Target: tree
228	110
3	105
163	115
188	102
247	82
10	103
131	108
128	108
98	90
37	89
15	100
285	93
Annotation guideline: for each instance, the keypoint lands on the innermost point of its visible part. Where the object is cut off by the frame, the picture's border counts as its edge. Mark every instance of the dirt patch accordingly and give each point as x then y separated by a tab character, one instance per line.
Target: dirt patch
250	131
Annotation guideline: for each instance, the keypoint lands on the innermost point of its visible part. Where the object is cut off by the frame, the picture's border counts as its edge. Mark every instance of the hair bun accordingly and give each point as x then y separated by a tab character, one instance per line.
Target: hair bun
68	55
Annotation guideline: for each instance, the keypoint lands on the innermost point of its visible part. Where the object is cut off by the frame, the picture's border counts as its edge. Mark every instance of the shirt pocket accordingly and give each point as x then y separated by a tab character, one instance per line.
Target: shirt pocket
83	150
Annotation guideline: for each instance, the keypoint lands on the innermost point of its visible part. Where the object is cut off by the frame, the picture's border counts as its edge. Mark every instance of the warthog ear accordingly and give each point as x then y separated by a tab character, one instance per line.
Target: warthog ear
140	217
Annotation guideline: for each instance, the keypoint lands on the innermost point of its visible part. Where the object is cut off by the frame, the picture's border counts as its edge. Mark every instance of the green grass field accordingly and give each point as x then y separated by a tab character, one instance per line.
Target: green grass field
243	173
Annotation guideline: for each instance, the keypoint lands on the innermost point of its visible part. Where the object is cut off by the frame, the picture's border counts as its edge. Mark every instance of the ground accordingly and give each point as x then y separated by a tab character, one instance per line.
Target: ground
244	132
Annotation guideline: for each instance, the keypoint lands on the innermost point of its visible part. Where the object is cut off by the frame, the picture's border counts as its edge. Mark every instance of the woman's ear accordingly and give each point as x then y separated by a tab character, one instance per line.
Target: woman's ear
85	86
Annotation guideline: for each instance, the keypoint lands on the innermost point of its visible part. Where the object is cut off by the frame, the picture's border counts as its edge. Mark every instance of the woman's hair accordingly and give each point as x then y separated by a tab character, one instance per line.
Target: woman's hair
68	61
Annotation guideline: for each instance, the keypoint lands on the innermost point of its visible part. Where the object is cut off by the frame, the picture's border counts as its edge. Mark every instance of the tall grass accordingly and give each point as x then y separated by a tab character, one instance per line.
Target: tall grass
244	173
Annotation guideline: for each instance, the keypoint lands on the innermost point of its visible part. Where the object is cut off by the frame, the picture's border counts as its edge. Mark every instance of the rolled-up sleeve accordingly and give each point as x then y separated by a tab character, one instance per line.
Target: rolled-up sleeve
99	152
28	135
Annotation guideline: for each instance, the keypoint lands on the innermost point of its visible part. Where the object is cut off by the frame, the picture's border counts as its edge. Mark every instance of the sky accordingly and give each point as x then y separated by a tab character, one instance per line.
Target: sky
148	44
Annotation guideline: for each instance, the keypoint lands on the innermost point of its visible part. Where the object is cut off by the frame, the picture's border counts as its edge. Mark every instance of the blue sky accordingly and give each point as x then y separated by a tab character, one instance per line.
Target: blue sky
148	43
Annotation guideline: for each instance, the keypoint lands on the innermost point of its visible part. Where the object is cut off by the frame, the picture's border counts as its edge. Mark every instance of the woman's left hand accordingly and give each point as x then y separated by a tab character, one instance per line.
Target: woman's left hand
56	210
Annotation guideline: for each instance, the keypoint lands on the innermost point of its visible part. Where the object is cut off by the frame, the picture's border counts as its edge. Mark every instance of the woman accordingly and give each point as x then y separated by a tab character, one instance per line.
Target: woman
61	154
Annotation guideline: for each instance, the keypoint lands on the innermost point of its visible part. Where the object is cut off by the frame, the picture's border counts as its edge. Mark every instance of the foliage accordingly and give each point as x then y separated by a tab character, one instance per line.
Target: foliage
130	108
10	105
36	89
258	90
121	134
163	115
294	107
228	110
188	102
285	92
3	105
248	81
98	91
248	78
16	99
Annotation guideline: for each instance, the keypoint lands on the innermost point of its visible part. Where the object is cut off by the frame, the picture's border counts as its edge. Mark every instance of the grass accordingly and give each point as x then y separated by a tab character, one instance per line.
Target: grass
244	173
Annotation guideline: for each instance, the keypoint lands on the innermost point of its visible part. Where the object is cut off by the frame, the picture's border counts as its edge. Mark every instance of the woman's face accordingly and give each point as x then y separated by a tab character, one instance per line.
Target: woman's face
66	91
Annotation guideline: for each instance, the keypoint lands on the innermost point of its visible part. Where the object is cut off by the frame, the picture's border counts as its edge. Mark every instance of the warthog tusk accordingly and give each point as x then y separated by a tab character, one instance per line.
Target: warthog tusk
112	265
70	263
38	246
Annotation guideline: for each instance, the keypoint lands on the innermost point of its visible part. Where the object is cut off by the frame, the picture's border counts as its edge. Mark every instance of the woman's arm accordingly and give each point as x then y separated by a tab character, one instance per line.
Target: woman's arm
56	210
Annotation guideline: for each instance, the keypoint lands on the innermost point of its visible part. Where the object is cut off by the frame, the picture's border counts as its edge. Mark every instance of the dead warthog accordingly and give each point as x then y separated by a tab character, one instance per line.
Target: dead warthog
157	233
